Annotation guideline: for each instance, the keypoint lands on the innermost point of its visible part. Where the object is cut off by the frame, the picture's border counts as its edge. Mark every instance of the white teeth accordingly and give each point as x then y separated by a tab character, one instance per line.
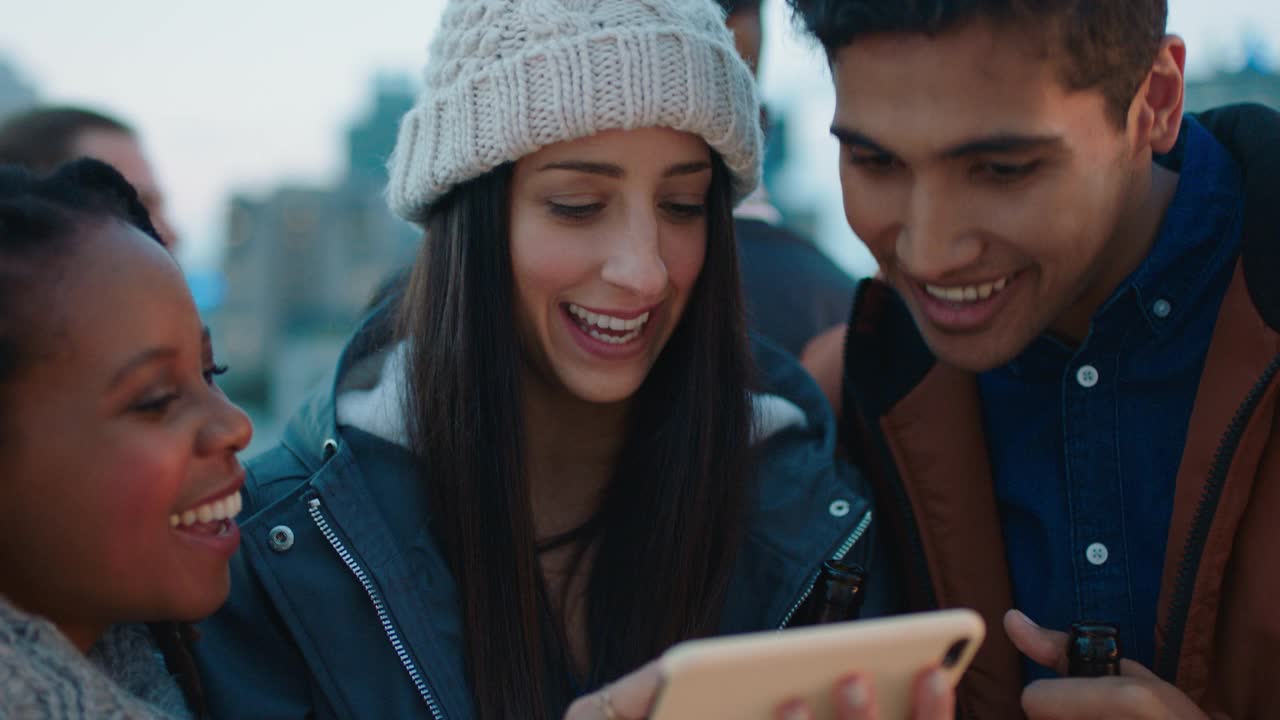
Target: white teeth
615	339
220	509
607	322
967	293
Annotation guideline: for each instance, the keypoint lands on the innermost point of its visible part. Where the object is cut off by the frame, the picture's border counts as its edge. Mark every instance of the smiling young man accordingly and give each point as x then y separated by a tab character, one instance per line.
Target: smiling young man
1064	381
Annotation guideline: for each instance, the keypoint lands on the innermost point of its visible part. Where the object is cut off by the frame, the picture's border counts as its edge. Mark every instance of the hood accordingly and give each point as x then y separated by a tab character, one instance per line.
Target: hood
1251	133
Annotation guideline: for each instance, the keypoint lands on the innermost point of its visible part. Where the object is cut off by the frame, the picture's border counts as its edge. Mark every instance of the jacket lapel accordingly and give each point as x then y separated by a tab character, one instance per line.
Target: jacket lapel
1214	484
936	437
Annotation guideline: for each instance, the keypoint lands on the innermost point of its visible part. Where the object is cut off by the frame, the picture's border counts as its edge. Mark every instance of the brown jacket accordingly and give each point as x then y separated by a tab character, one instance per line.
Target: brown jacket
915	425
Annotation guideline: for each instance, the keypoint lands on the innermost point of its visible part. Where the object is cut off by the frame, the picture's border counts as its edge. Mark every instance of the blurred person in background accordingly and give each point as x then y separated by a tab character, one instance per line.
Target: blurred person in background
558	415
793	290
42	138
1065	383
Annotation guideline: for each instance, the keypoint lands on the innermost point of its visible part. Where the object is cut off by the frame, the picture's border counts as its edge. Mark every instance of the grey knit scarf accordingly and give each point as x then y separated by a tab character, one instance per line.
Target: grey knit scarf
44	677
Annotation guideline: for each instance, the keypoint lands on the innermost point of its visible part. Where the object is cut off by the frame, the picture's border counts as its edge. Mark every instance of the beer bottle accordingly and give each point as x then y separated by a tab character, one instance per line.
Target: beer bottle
1093	649
839	592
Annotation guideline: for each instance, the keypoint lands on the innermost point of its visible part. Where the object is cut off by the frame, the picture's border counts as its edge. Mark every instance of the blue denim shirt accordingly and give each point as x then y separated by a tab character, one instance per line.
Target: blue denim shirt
1085	442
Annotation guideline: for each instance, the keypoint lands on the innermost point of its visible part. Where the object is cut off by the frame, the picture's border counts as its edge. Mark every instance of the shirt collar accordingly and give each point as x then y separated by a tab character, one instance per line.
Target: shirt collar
1200	230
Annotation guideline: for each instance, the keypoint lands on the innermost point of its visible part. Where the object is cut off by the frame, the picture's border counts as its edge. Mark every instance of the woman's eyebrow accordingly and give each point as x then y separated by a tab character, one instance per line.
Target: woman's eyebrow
690	168
142	359
591	168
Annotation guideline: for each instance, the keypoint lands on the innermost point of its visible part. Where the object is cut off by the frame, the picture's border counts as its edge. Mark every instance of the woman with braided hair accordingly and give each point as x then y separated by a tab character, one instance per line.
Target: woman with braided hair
118	470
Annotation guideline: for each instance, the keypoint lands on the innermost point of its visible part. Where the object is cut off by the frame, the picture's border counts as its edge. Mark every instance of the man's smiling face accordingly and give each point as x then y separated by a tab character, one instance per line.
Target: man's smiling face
989	192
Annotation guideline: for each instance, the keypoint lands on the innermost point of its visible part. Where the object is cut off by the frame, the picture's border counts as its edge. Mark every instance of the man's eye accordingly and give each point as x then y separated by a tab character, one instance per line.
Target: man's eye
575	212
1006	172
875	162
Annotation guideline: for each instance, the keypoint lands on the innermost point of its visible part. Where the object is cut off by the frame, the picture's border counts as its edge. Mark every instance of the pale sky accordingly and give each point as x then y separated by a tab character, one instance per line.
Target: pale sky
243	95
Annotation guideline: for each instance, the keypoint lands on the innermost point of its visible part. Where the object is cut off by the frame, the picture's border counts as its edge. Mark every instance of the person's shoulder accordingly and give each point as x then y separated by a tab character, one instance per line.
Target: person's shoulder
775	244
876	358
1251	133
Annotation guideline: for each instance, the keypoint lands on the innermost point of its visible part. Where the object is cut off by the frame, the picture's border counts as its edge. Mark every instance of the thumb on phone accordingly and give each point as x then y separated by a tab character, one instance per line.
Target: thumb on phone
628	698
1044	647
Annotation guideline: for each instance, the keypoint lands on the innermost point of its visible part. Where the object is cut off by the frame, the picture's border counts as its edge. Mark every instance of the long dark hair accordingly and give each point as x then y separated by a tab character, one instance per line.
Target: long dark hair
674	512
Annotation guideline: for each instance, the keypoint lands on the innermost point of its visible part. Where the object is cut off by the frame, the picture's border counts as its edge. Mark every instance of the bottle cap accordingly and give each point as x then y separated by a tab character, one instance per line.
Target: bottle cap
1093	649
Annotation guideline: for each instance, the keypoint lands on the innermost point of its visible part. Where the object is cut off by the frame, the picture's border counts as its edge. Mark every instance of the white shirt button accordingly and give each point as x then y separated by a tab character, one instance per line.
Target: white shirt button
1161	308
1087	376
838	508
1096	553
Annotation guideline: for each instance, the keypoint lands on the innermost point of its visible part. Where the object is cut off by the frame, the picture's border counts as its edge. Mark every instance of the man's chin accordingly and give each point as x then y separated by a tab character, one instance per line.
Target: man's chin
972	353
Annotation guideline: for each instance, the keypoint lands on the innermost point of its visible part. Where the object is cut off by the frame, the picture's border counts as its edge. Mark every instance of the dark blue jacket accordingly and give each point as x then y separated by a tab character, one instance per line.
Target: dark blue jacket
342	605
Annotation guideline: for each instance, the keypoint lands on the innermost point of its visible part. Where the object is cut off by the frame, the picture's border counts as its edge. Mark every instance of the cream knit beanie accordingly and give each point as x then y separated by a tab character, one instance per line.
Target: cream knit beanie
507	77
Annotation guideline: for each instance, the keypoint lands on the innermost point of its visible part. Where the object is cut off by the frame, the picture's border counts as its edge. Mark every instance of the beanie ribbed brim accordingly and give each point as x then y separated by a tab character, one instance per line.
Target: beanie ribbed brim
573	88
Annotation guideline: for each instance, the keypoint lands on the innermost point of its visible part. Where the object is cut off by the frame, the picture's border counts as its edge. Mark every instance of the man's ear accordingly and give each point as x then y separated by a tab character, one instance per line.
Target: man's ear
1156	114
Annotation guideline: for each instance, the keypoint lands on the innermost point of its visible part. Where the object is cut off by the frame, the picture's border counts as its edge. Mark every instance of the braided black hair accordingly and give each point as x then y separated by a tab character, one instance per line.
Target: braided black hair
732	7
39	222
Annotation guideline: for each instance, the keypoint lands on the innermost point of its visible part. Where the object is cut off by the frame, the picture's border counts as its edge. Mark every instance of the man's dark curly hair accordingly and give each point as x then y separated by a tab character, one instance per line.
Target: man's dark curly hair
1106	44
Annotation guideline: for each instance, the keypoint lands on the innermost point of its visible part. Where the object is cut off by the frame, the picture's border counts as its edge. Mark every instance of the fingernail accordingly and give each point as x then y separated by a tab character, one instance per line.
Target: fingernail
1026	619
938	683
856	695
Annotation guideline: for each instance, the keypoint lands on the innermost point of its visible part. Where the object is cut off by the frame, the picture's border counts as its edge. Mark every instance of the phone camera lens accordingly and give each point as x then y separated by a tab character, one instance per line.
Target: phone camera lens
954	653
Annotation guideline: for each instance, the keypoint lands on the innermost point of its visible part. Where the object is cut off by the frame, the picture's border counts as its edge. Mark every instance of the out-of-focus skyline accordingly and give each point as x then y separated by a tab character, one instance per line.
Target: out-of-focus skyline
241	96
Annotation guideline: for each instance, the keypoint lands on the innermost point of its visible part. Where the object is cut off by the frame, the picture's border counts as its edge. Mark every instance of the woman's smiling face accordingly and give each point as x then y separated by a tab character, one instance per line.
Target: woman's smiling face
119	473
608	237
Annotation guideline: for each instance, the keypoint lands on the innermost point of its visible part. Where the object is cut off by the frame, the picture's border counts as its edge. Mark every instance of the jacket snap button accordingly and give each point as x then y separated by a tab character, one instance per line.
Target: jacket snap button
330	447
839	508
281	538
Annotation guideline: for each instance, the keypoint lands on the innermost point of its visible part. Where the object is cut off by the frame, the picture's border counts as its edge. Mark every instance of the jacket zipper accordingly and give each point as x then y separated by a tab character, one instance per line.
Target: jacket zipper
384	617
1189	567
840	553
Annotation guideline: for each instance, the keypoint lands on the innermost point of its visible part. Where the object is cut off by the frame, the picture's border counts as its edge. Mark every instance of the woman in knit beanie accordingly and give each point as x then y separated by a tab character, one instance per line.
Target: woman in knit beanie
543	463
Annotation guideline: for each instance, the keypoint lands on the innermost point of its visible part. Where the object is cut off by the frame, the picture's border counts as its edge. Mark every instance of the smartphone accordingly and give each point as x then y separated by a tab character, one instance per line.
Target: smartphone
746	677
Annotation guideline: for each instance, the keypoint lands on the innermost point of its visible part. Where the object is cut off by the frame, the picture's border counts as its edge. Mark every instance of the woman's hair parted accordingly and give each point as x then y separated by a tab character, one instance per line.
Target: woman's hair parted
41	221
674	512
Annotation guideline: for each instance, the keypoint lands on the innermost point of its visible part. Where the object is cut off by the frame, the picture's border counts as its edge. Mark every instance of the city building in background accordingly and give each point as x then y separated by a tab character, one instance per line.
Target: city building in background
15	93
1255	82
300	267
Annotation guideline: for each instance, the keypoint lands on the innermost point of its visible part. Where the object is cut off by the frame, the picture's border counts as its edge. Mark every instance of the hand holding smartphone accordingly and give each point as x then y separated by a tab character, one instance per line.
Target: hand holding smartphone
747	677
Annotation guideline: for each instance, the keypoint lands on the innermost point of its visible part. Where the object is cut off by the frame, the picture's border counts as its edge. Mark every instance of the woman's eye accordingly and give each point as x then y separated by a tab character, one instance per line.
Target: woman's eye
213	371
157	405
575	212
685	211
